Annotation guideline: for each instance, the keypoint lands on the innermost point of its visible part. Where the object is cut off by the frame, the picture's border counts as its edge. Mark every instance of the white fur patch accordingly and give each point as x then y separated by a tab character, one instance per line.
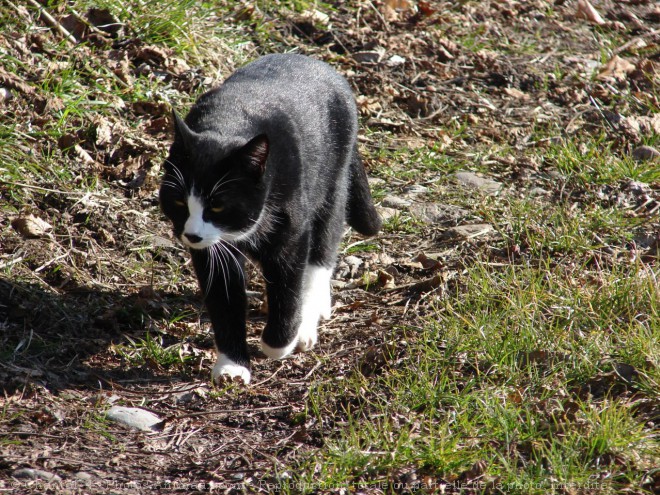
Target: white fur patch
226	367
210	234
278	352
316	304
195	225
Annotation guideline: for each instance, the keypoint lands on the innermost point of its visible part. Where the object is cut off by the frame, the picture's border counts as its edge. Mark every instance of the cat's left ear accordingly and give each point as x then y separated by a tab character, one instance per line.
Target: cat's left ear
255	154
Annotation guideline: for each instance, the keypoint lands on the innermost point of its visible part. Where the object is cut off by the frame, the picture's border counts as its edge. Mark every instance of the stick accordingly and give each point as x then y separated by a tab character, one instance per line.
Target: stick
53	22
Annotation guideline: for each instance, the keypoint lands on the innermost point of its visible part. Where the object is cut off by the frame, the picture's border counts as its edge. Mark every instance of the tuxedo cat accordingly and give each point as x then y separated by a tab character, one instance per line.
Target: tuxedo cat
267	166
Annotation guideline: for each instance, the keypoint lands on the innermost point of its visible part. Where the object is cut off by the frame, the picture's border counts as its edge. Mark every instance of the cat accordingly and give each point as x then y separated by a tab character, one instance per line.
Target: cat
266	166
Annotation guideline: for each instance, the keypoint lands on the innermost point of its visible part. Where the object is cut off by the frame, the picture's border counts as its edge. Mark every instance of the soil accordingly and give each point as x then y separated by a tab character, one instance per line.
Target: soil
93	272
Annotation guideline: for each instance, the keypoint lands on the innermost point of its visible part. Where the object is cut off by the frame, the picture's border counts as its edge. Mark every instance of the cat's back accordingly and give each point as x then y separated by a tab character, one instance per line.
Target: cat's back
287	74
277	87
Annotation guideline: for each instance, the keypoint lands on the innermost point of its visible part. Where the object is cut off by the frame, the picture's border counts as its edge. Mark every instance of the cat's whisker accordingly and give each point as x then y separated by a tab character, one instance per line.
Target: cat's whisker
210	263
223	264
177	174
218	184
173	185
217	188
239	268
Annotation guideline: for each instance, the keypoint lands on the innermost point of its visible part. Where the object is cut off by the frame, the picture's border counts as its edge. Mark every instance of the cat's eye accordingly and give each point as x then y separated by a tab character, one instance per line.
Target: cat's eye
217	209
179	203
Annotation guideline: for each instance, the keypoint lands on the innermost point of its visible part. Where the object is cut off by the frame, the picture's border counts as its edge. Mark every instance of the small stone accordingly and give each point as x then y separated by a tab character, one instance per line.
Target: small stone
469	231
395	202
354	264
36	474
134	417
376	181
438	213
415	190
473	180
85	479
645	154
386	213
538	191
369	57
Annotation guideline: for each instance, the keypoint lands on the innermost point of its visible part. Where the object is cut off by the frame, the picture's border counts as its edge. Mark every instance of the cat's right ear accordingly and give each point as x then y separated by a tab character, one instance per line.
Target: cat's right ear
255	154
182	133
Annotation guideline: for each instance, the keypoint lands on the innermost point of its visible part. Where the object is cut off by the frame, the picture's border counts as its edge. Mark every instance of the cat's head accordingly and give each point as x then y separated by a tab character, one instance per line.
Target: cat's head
213	188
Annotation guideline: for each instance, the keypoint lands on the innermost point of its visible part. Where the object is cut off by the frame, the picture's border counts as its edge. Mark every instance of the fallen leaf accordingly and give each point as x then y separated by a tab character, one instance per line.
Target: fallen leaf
587	11
616	68
31	227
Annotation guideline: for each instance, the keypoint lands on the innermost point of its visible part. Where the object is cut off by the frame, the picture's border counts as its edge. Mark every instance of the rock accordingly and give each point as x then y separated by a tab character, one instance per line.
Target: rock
134	417
395	202
36	474
83	478
369	57
376	181
353	263
386	213
470	179
415	190
645	154
469	231
538	191
434	213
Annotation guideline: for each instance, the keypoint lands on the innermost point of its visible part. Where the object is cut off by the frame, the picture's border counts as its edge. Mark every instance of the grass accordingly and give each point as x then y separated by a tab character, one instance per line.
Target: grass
528	374
495	378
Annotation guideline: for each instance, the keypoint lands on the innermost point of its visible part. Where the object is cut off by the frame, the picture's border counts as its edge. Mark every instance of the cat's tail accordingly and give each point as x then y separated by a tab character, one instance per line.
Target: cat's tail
360	210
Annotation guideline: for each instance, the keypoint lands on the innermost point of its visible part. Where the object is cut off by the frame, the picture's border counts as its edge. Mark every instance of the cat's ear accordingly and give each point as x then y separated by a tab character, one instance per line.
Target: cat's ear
255	154
182	133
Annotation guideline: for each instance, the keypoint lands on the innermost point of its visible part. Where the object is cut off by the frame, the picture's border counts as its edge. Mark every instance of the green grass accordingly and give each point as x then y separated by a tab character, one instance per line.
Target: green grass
495	377
529	373
152	352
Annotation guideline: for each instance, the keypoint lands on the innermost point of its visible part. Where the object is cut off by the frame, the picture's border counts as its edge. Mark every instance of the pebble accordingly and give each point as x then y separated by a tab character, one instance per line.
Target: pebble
469	231
395	202
134	417
434	213
538	191
84	478
415	190
471	179
645	153
36	474
386	213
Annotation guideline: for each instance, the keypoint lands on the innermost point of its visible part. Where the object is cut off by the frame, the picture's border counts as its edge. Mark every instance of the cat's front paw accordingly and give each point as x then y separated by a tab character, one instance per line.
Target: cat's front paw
307	334
225	368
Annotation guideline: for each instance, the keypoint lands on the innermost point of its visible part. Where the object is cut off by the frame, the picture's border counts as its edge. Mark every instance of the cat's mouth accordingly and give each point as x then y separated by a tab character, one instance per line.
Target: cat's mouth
195	241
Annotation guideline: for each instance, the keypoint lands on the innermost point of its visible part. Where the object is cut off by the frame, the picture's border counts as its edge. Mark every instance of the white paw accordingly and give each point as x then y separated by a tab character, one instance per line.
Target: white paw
307	334
277	352
316	304
226	368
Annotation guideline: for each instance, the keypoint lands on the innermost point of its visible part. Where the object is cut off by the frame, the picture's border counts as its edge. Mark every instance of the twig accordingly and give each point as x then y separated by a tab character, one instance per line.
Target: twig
53	22
226	411
630	43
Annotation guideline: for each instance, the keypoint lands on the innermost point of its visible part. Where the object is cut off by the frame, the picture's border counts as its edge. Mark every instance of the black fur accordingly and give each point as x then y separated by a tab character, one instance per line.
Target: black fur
282	132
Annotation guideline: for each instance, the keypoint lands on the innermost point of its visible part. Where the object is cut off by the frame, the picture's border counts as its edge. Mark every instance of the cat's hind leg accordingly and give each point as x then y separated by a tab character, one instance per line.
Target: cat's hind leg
284	272
316	303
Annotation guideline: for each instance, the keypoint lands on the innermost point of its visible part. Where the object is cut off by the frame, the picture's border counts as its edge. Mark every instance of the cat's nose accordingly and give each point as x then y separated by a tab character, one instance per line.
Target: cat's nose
193	238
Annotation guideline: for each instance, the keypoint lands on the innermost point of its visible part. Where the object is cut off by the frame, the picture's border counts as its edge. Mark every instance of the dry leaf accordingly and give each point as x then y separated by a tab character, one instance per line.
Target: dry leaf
617	68
31	227
587	11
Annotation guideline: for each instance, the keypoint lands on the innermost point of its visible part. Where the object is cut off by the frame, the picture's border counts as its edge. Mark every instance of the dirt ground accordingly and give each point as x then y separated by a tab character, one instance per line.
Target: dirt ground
99	270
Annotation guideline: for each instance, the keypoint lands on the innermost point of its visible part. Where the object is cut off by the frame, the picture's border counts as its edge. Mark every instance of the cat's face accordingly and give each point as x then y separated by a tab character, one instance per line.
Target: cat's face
212	189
